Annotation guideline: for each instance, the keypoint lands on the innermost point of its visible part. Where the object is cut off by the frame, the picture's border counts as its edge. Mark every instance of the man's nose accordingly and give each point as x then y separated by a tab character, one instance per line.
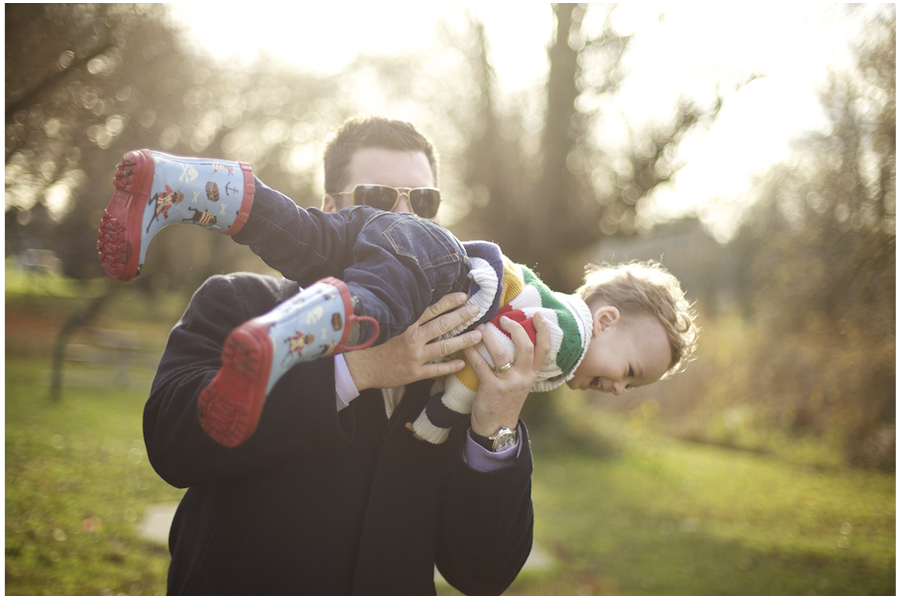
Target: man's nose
617	388
402	204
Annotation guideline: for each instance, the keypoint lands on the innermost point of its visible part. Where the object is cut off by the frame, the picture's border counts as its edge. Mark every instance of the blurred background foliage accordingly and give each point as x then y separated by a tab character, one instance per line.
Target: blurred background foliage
797	359
798	307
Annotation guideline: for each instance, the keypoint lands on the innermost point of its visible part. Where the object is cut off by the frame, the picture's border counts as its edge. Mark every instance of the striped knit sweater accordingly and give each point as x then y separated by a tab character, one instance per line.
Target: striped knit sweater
502	288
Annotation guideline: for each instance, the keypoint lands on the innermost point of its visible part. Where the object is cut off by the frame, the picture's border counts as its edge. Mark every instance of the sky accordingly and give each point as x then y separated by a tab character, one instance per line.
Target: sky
695	44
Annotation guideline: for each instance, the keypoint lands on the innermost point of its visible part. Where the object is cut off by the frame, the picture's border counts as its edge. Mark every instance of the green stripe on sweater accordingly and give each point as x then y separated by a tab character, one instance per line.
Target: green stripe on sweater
572	347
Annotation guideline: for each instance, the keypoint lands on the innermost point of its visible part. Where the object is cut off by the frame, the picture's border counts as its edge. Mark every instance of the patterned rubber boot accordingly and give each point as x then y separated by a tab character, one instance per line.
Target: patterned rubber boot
154	190
316	322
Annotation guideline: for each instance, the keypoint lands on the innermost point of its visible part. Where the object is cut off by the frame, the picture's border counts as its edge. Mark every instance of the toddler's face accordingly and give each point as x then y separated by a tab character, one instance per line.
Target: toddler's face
624	353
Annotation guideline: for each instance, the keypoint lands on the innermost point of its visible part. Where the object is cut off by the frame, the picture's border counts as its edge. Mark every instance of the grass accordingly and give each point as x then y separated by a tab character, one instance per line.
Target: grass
37	286
77	483
684	519
628	511
653	516
662	517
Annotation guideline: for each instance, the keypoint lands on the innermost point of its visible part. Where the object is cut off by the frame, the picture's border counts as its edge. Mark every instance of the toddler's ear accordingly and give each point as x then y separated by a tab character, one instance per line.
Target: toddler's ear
604	318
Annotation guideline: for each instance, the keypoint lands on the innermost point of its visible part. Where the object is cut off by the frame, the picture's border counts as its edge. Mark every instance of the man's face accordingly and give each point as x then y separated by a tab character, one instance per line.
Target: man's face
394	168
623	354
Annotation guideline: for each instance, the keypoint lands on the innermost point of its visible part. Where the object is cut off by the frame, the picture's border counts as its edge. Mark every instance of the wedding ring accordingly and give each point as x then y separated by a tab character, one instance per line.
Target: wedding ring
504	368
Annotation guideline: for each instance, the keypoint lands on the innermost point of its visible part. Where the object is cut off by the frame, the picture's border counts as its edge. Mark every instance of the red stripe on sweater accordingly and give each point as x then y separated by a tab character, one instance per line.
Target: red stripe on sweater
519	317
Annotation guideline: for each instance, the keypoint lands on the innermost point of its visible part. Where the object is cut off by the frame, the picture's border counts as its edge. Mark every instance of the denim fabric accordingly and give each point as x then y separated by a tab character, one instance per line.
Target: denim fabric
395	264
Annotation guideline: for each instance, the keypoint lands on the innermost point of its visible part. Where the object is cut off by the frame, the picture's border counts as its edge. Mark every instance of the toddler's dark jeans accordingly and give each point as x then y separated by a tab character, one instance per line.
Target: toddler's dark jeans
395	264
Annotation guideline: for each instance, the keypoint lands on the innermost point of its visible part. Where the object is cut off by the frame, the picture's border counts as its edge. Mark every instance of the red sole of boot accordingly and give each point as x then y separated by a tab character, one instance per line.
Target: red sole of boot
230	406
119	234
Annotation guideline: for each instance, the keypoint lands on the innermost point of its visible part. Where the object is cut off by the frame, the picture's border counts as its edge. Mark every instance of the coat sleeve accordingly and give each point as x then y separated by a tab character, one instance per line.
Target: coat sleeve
300	411
487	524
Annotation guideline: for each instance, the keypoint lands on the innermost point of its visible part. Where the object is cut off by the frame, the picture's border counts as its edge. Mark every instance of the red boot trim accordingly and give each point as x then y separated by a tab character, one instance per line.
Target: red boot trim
121	227
246	203
350	318
230	406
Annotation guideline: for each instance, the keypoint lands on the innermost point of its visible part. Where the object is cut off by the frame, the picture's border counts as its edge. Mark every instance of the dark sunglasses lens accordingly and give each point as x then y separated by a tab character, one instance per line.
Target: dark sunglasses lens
376	196
425	202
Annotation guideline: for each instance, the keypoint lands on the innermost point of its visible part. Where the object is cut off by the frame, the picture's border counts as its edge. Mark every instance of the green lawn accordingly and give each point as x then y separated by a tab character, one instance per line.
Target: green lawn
662	517
77	484
684	519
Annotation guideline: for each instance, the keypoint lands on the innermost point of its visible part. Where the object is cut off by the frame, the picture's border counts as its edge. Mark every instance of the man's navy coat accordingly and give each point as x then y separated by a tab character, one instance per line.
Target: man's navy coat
319	501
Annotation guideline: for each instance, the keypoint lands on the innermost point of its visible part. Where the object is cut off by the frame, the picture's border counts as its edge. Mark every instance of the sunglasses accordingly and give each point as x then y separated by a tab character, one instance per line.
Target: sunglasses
423	201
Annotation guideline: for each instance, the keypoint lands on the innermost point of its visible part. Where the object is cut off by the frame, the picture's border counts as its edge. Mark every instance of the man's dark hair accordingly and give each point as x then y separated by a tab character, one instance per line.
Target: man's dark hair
371	132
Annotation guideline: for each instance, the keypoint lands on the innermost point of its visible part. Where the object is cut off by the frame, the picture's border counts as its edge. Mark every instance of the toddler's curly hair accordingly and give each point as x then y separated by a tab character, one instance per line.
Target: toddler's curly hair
646	287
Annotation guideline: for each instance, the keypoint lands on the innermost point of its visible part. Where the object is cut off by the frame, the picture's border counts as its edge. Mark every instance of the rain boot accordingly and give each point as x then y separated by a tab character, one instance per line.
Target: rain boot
316	322
154	190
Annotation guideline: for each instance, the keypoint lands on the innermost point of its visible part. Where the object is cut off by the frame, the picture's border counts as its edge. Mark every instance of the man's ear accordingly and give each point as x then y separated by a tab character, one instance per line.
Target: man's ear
329	204
604	318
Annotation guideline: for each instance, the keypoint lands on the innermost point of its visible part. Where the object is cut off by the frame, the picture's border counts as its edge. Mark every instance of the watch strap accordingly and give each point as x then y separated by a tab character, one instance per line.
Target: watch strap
483	441
488	442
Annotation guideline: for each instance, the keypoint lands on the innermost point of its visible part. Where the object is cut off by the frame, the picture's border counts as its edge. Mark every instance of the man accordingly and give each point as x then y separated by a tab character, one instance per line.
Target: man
332	494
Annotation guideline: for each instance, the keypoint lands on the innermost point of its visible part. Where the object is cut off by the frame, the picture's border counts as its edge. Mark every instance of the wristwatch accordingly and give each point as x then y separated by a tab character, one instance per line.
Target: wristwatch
502	440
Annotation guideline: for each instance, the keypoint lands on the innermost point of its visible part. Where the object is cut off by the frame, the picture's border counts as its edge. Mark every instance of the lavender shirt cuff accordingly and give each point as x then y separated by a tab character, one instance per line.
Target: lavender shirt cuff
477	456
483	460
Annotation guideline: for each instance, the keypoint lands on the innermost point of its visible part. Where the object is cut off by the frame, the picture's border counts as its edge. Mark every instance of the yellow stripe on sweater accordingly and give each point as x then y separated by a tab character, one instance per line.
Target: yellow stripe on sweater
468	378
513	284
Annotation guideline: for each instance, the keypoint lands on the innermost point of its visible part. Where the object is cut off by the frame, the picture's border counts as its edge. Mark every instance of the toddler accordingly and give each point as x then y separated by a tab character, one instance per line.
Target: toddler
627	326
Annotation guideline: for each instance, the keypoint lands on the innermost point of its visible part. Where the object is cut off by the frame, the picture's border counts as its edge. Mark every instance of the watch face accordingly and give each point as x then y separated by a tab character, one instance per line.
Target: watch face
506	438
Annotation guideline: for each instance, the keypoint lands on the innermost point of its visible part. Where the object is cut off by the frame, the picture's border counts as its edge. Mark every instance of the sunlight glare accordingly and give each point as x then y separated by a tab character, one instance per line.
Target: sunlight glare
692	51
325	39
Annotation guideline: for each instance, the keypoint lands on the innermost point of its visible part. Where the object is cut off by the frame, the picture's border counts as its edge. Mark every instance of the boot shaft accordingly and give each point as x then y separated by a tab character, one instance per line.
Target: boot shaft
317	322
153	190
199	191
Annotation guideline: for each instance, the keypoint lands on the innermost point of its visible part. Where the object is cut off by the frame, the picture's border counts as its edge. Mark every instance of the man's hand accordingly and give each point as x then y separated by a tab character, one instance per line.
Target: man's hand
501	395
407	357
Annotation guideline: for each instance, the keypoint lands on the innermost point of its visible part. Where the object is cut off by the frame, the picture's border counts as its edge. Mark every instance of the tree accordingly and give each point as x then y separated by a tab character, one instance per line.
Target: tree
818	262
821	241
87	83
549	215
82	79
